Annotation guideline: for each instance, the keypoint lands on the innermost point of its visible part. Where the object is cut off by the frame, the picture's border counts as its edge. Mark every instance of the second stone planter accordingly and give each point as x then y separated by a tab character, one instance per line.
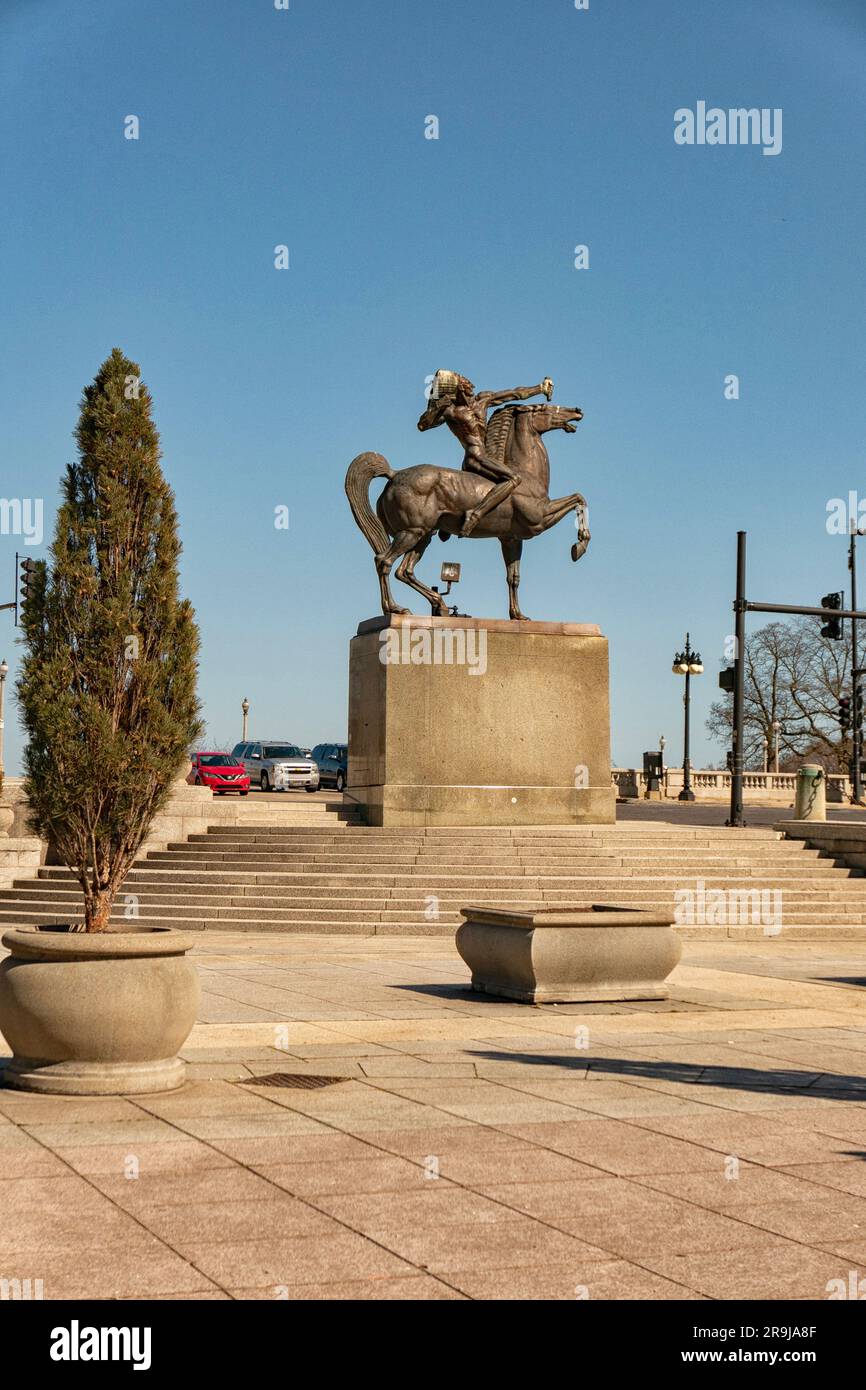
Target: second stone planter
592	954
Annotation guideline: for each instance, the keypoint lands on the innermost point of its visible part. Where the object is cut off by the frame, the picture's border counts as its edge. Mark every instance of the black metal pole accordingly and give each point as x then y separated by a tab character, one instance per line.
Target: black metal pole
687	794
856	736
736	816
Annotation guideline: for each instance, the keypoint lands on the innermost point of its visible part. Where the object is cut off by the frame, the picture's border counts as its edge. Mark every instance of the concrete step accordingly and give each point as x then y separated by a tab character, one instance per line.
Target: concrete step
239	849
222	879
677	834
392	911
66	889
812	926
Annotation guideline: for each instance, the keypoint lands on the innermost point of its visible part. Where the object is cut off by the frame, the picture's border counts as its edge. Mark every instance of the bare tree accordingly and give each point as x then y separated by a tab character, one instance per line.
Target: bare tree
793	678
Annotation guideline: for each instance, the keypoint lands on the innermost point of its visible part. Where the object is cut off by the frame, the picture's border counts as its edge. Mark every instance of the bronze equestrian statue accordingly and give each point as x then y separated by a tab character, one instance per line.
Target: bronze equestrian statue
501	491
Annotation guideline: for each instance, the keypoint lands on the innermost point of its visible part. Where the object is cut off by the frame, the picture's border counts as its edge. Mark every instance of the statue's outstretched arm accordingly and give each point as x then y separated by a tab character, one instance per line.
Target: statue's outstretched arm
520	393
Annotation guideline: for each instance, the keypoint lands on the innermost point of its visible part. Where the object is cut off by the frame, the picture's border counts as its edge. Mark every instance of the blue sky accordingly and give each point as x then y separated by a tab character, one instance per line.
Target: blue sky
305	127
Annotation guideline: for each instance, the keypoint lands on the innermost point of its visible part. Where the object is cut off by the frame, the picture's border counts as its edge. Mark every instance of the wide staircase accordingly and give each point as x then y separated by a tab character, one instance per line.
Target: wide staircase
338	876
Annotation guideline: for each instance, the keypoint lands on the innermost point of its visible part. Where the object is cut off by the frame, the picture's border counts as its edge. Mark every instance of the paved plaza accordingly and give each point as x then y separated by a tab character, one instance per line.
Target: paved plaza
709	1147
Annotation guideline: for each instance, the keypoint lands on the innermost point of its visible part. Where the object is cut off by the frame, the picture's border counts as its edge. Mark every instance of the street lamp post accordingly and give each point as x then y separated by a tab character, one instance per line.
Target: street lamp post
245	707
4	672
776	731
856	732
687	663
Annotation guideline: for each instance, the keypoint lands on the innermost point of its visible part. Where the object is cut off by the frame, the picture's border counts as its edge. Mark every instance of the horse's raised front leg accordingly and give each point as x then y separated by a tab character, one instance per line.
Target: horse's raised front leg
559	507
511	553
405	571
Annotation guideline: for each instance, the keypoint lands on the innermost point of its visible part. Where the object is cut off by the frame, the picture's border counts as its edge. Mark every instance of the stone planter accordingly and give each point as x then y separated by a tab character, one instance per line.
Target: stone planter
98	1015
569	955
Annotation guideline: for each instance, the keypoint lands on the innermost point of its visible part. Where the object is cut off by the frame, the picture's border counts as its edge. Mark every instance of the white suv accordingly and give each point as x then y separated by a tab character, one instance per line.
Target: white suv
276	766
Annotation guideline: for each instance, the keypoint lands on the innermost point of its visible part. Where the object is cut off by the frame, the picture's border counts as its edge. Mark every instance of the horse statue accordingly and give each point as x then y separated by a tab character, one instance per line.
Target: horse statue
506	467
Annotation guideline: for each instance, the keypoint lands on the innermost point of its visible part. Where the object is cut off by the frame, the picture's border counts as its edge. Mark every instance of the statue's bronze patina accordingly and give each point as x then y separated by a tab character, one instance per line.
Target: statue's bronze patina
501	490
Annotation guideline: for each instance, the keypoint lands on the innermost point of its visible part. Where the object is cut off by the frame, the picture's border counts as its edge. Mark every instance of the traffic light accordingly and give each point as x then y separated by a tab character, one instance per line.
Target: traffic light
844	713
858	707
27	568
727	680
729	760
833	626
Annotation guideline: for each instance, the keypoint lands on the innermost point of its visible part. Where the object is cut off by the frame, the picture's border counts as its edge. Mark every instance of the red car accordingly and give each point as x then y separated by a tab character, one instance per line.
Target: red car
221	772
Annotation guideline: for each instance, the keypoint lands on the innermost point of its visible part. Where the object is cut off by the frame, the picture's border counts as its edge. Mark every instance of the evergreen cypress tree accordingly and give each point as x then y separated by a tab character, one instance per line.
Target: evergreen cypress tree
107	690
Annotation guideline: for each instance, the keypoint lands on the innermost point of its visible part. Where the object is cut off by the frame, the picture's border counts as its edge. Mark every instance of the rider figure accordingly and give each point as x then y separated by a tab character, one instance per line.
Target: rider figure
453	402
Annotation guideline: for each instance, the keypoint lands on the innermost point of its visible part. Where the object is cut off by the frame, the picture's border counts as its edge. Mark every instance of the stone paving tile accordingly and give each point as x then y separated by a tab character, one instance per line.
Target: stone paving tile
611	1098
849	1176
381	1067
332	1178
482	1169
33	1110
277	1122
484	1245
47	1194
295	1260
627	1219
232	1220
445	1139
113	1159
780	1269
118	1270
820	1221
347	1068
752	1185
170	1189
719	1128
416	1286
325	1146
214	1296
784	1150
83	1229
439	1205
619	1147
29	1160
844	1126
614	1279
129	1132
208	1098
348	1049
12	1138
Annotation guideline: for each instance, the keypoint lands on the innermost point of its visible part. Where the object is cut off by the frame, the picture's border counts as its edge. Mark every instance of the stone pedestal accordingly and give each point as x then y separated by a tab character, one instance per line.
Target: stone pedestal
470	721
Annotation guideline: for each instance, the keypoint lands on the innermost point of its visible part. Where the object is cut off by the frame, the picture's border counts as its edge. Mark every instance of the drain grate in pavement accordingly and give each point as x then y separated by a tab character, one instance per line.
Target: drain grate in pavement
299	1080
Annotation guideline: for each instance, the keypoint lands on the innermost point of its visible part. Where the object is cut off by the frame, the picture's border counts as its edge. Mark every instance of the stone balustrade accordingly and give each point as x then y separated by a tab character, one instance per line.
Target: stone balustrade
759	788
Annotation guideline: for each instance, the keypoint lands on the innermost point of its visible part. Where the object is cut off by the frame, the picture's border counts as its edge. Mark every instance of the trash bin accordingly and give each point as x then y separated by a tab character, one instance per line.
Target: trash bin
811	798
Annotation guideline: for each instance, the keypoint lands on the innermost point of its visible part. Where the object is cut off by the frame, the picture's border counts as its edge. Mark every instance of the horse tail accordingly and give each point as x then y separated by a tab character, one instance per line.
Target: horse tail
362	471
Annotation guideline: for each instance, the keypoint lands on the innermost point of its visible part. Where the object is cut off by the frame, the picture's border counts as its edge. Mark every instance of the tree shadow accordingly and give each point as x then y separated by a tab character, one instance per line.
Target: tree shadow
829	1085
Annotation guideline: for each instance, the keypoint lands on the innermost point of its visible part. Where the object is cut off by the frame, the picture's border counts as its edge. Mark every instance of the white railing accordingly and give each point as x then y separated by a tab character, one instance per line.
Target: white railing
710	784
